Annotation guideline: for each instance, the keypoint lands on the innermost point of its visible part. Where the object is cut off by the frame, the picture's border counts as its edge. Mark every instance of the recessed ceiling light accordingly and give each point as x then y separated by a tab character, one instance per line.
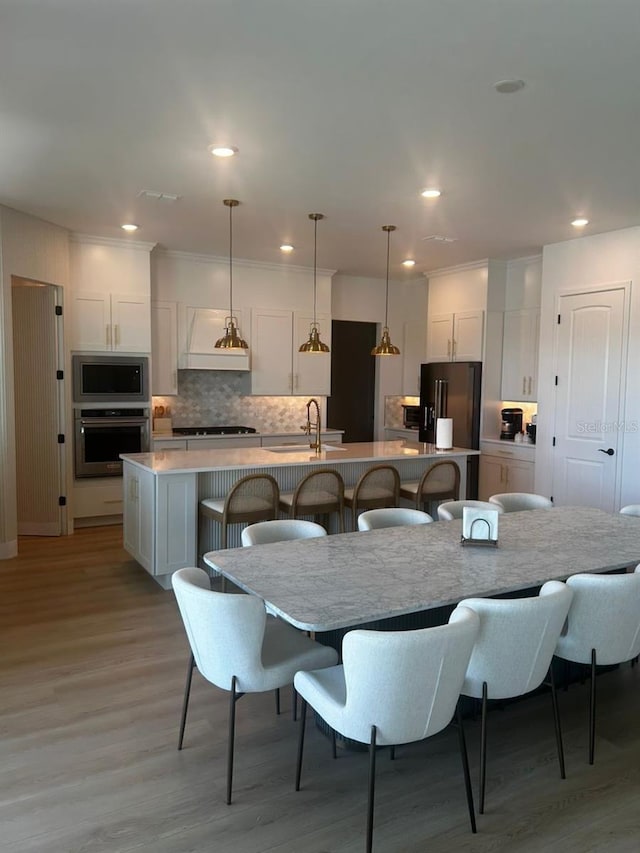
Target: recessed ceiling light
508	87
580	222
286	248
409	263
129	226
431	192
222	150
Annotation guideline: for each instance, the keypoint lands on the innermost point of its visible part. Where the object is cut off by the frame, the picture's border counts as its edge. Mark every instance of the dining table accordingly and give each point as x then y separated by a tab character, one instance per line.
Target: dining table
413	576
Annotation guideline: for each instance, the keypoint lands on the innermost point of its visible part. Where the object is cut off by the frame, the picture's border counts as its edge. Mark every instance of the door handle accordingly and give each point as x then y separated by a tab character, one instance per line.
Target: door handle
609	451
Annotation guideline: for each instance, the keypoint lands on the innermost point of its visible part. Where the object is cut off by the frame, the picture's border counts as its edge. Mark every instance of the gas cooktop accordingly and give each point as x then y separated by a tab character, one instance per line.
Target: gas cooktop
214	430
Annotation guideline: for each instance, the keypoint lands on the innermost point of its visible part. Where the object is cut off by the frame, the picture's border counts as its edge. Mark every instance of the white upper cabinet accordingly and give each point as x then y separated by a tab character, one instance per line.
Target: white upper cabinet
455	337
110	322
200	328
110	295
277	367
164	349
520	355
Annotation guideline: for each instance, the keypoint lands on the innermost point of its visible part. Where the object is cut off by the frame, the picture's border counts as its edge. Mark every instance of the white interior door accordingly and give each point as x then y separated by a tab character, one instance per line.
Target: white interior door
588	434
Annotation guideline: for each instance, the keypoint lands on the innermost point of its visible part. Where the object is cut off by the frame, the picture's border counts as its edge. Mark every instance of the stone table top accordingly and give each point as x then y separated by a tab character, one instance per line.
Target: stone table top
197	461
350	579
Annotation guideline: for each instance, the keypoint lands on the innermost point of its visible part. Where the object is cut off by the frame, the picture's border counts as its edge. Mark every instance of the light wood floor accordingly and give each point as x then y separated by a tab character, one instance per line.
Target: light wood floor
92	671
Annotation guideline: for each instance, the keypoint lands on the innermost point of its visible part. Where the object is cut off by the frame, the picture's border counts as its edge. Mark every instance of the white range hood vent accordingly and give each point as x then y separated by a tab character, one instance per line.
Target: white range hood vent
204	326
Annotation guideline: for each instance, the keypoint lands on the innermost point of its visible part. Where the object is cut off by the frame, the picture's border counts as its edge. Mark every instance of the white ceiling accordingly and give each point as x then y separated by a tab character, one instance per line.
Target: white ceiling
345	107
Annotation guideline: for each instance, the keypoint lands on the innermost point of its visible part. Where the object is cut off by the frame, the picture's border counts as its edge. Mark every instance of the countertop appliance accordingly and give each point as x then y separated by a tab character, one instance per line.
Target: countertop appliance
531	432
114	379
101	435
411	417
214	430
511	424
452	390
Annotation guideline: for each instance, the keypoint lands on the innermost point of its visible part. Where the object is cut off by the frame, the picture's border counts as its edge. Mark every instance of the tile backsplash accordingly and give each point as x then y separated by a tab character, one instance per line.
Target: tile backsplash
393	414
216	397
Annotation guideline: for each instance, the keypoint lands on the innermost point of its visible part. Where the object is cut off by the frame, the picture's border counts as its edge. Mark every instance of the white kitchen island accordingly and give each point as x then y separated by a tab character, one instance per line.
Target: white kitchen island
162	490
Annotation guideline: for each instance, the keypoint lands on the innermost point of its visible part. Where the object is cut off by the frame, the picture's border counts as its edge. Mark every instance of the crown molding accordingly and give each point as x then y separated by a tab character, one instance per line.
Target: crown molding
237	262
472	265
114	242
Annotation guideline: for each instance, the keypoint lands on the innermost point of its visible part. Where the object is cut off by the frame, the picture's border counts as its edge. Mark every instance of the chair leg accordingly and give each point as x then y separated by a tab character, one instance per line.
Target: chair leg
372	783
232	732
334	751
592	709
277	692
185	701
303	719
465	768
556	721
392	753
294	704
483	747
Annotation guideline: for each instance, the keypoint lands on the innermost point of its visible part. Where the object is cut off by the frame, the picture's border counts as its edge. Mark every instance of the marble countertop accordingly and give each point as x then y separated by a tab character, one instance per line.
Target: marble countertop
194	461
353	578
259	434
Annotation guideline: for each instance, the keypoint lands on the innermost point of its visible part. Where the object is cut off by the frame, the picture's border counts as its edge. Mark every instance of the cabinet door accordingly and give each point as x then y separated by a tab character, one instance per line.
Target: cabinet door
271	344
138	516
91	322
440	337
413	355
229	442
492	477
468	328
164	348
519	476
160	444
131	319
520	355
177	520
311	371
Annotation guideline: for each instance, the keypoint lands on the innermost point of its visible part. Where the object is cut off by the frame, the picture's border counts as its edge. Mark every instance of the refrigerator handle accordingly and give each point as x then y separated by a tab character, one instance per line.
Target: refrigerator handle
429	419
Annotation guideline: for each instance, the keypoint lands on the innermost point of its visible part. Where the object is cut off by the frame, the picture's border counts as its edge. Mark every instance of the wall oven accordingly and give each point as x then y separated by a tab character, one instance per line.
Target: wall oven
110	379
101	435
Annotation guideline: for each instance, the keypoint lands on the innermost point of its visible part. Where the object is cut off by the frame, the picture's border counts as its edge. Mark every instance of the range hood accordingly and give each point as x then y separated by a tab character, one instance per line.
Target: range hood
203	327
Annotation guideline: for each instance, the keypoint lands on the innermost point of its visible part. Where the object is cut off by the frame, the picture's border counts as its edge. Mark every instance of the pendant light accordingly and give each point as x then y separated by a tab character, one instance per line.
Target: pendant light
385	347
231	338
314	344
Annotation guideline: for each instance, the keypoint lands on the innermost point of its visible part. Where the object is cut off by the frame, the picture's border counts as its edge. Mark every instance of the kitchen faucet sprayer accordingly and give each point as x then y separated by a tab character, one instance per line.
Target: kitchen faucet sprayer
307	427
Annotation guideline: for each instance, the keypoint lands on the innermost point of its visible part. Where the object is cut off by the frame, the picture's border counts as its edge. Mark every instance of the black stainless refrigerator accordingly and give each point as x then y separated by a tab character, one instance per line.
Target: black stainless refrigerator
452	390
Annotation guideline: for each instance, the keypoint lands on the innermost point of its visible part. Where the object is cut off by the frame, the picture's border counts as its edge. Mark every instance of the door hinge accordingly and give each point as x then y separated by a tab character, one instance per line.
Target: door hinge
553	443
558	319
556	382
58	310
62	501
60	438
59	374
551	498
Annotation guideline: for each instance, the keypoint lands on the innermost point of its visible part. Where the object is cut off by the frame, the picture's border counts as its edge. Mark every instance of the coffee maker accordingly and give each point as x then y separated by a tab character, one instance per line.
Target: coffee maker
511	424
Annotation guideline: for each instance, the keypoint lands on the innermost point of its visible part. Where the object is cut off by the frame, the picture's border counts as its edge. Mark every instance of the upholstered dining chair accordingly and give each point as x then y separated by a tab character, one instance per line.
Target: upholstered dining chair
399	516
631	509
237	647
518	501
394	687
319	493
252	498
440	482
513	654
280	530
603	628
451	510
377	487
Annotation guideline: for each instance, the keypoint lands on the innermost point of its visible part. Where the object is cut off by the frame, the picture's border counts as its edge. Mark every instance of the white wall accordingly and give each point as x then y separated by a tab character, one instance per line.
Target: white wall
36	250
589	263
362	299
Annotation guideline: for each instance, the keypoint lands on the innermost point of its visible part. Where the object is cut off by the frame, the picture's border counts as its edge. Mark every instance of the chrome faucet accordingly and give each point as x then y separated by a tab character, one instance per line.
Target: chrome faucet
307	427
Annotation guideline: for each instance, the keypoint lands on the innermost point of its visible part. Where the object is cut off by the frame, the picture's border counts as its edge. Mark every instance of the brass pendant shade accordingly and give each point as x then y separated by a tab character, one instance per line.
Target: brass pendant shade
385	347
231	338
314	344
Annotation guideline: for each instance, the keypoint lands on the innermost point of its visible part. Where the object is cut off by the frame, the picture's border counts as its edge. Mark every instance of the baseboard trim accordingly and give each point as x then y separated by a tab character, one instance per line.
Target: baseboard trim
8	550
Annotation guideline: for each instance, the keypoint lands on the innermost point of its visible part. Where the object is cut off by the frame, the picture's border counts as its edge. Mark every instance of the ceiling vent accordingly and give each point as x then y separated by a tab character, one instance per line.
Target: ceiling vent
156	195
438	238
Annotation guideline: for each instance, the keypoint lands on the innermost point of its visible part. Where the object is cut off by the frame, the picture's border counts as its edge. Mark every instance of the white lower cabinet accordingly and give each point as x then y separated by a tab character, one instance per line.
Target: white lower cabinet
294	438
503	470
228	442
97	498
160	529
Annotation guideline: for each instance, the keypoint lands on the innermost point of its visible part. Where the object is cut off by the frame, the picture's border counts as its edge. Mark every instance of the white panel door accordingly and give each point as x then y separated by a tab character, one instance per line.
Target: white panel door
440	337
271	343
131	319
164	348
91	322
588	431
467	336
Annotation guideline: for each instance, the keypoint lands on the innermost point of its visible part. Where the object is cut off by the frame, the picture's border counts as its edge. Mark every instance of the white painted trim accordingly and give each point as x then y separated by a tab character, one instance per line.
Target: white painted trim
472	265
114	242
8	549
208	259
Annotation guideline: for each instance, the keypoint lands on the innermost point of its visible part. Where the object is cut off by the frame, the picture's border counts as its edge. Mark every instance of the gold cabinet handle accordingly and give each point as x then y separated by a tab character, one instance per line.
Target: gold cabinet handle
108	334
530	384
448	347
453	349
116	330
524	384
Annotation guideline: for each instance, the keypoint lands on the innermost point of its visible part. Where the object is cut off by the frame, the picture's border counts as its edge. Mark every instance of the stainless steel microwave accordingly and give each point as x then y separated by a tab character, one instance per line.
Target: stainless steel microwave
110	379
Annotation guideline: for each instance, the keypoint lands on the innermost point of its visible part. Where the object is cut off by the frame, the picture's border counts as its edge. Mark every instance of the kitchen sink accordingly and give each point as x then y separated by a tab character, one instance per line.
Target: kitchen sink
302	448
